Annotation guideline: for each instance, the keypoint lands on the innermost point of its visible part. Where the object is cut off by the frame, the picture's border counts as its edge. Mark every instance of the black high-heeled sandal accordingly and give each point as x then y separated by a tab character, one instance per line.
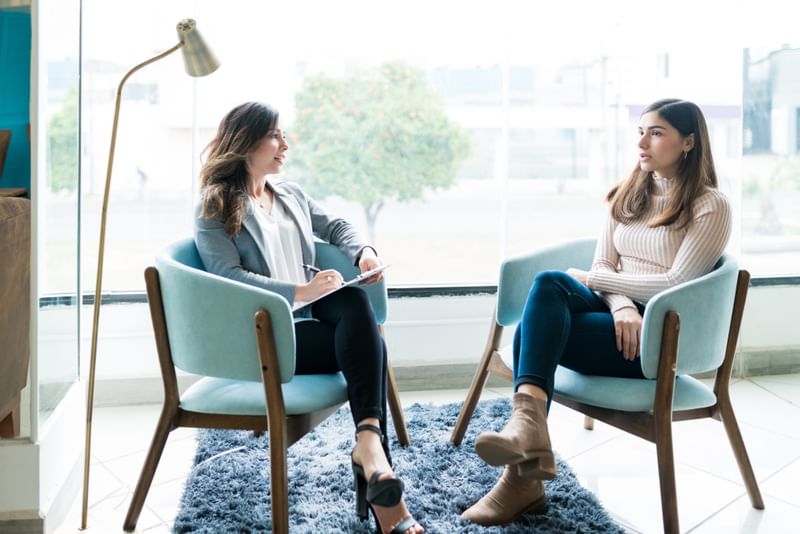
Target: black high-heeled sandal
378	492
375	491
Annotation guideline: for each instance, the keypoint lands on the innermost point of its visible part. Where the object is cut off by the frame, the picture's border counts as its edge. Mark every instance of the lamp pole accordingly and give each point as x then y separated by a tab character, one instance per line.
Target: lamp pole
199	61
99	284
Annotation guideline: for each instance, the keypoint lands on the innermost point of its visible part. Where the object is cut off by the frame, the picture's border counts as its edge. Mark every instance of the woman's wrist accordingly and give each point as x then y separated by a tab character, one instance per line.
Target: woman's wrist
368	251
301	292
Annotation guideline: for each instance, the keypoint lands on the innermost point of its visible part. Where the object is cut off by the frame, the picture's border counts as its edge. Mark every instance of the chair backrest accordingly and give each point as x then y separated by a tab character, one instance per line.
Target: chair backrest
517	274
331	257
704	306
210	319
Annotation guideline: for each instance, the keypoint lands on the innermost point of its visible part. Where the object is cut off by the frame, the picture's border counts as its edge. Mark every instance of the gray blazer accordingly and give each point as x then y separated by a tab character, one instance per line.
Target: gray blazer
243	257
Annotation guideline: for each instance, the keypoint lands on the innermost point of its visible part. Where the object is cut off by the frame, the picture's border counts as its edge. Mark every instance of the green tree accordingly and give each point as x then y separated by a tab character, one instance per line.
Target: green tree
372	137
62	145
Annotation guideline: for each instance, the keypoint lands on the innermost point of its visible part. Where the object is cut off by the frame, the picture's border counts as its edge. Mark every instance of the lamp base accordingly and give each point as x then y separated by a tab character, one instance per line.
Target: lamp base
107	515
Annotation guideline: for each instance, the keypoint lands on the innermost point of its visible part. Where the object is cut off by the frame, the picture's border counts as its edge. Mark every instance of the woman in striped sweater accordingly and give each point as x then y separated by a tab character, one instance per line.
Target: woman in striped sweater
667	223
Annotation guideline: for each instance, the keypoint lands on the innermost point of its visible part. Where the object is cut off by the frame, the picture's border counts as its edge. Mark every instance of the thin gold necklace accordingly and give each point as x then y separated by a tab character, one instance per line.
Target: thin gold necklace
258	200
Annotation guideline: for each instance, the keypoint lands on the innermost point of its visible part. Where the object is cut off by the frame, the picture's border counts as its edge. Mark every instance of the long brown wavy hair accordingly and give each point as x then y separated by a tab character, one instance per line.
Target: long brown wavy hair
223	177
630	198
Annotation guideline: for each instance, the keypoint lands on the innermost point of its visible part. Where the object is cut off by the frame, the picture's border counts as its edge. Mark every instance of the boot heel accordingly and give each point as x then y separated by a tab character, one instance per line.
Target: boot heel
540	468
361	491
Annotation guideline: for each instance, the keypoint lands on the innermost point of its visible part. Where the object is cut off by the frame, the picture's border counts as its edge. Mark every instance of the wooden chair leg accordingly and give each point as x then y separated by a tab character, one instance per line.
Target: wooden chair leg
478	382
666	472
277	426
468	408
396	408
739	451
10	425
165	425
279	478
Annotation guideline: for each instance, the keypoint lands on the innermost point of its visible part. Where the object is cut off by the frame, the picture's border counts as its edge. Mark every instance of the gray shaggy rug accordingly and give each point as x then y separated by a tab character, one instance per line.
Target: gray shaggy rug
228	489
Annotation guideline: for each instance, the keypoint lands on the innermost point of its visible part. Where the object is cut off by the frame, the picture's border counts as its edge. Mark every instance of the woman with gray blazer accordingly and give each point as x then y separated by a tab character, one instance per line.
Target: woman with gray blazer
253	230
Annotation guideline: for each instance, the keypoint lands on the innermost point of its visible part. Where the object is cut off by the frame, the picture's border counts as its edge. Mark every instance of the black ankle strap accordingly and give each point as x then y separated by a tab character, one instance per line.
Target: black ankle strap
367	426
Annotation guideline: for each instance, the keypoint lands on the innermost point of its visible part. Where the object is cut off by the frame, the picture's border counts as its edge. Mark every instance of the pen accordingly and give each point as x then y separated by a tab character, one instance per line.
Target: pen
310	267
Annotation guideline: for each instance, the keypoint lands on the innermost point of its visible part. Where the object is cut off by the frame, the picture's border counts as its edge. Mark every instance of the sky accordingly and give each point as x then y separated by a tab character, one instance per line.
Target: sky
459	31
262	44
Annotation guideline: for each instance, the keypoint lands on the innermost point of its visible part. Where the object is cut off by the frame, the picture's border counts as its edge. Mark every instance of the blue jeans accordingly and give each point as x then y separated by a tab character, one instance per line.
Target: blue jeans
566	323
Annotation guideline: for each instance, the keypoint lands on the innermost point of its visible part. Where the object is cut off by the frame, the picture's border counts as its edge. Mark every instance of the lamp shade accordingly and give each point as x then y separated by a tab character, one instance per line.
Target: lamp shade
198	59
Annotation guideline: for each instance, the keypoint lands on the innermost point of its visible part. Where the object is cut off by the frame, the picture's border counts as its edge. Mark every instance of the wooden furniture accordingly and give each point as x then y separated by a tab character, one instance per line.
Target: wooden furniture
690	328
13	192
15	269
240	339
5	140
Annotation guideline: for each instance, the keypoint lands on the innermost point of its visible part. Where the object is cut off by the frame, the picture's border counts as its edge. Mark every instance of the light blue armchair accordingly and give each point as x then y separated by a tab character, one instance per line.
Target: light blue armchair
690	328
240	339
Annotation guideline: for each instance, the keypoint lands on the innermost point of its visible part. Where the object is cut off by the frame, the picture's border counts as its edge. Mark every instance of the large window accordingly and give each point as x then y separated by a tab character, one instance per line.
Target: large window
452	134
771	143
56	196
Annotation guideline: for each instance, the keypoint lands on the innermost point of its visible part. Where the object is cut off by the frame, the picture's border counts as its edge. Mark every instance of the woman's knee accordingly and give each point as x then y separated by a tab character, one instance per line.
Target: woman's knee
548	286
548	282
354	300
550	277
354	294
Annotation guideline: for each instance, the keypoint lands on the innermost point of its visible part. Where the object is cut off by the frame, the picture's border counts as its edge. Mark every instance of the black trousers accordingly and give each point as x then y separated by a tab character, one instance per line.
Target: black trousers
345	337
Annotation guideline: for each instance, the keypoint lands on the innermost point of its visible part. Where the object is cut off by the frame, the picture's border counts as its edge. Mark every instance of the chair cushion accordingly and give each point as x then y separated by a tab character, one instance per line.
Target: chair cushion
629	394
625	394
303	394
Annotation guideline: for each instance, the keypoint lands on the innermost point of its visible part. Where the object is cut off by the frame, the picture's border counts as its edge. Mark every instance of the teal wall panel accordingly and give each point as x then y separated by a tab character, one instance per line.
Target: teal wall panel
15	82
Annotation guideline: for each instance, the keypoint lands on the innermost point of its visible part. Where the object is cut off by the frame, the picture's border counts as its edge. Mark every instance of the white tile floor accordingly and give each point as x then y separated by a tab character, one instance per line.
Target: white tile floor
618	468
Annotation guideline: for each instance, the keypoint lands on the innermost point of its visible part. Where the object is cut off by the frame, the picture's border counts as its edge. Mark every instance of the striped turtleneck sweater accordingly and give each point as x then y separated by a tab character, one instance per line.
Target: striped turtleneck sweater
634	262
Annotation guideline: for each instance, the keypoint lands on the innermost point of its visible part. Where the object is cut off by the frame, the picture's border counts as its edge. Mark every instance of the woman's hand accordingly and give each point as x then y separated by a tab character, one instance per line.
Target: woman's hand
368	261
322	283
579	275
628	329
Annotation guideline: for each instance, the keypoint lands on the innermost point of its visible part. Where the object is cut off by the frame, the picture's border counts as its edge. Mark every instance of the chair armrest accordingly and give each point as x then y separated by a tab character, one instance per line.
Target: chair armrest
704	306
210	323
517	274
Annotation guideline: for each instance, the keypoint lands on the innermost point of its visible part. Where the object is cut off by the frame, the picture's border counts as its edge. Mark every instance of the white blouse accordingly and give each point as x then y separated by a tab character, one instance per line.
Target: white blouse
282	237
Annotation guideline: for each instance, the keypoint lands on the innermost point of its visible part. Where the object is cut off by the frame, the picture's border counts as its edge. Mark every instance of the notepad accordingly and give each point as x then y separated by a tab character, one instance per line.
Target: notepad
366	275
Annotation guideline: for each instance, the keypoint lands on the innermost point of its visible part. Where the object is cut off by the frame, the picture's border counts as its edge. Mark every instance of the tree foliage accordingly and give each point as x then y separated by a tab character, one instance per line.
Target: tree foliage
374	136
62	145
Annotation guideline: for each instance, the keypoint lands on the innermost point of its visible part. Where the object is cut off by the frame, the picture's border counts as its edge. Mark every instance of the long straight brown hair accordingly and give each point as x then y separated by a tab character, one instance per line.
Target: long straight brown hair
630	199
223	177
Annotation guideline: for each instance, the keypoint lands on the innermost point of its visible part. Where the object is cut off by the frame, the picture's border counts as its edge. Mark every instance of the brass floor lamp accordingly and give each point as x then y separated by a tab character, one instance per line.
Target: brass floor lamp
198	61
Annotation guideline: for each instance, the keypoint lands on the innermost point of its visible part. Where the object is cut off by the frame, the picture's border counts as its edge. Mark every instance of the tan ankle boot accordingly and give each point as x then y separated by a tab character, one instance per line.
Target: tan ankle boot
511	497
524	441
